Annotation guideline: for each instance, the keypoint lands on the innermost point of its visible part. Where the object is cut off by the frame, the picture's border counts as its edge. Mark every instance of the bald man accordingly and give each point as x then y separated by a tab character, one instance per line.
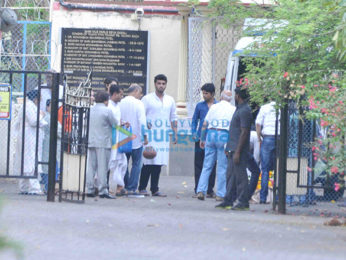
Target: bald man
213	139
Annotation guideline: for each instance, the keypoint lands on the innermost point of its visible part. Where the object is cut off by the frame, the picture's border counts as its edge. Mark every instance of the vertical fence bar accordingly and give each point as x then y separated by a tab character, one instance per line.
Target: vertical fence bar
9	134
53	138
275	163
38	125
23	126
24	52
283	159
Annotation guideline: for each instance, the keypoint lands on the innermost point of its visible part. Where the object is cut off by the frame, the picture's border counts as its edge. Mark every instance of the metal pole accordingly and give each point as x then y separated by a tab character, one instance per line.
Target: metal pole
53	138
283	159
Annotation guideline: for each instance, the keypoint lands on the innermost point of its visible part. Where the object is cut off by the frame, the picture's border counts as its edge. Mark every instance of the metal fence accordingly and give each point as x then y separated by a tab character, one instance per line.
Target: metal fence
209	45
303	182
25	48
29	10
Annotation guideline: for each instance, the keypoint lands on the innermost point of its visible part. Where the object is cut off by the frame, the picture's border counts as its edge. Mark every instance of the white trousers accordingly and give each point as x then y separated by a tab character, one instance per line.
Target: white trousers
30	185
118	171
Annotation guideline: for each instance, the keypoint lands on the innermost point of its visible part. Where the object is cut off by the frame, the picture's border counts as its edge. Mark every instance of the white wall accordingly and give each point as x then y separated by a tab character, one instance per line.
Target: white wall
164	35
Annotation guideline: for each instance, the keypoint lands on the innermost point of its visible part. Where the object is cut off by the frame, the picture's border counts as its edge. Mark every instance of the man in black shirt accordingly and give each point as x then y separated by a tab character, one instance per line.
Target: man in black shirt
237	150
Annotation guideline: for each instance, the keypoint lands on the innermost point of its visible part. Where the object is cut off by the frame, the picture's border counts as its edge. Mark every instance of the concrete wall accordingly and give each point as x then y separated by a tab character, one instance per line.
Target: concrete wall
164	38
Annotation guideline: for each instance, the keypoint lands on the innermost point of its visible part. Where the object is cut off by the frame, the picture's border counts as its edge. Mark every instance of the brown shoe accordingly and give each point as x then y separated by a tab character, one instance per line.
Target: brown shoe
217	198
210	195
200	196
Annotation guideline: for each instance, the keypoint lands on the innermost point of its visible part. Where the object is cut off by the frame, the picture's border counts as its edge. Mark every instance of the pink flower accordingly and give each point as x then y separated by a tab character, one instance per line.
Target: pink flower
324	111
286	74
340	102
309	169
312	103
313	148
302	86
315	158
332	89
315	86
333	134
336	186
334	169
324	123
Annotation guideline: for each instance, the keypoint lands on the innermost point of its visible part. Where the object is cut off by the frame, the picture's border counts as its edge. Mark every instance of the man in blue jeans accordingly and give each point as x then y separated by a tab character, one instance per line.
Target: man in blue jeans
133	112
217	120
265	128
201	110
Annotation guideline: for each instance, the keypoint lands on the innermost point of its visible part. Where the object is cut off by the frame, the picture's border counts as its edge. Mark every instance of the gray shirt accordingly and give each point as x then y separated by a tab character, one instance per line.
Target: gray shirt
242	118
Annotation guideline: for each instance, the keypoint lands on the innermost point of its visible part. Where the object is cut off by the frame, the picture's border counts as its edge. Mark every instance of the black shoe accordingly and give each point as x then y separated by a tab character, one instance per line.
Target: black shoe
91	195
239	206
224	205
106	196
263	202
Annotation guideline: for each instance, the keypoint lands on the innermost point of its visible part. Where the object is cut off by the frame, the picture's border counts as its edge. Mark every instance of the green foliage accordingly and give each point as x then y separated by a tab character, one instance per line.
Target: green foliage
7	244
302	55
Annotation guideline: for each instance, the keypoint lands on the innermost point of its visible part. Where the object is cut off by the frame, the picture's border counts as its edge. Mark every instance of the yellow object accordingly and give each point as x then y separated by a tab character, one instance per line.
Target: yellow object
270	183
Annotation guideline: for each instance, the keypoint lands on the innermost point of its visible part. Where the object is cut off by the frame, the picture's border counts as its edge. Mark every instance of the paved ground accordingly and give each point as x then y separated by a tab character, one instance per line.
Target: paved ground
176	227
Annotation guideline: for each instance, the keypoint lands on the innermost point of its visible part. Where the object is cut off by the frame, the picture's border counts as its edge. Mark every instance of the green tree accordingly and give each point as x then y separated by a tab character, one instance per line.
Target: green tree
302	55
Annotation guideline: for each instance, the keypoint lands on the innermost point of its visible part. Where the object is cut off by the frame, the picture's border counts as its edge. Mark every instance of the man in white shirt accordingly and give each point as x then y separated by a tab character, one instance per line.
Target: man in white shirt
117	162
217	120
161	115
265	128
133	111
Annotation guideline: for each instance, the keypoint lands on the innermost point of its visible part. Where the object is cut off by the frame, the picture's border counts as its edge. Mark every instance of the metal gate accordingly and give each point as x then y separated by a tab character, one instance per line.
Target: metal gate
23	134
304	181
74	138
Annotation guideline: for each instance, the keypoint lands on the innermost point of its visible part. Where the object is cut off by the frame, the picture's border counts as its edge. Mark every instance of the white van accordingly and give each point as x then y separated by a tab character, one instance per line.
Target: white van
255	28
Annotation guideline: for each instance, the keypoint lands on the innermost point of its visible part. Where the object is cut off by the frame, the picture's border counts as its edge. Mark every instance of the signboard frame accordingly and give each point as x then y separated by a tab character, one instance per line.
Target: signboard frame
6	85
126	52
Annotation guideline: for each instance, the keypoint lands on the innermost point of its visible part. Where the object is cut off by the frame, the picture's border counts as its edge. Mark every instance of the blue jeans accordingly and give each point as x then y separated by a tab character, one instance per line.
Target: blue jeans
255	173
214	150
132	179
267	163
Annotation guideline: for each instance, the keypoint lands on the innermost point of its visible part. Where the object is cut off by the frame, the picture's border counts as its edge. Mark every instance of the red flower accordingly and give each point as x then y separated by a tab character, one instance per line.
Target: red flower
286	74
334	169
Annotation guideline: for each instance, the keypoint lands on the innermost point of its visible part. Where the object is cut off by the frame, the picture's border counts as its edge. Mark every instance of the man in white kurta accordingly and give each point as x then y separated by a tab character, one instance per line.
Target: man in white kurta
118	161
161	115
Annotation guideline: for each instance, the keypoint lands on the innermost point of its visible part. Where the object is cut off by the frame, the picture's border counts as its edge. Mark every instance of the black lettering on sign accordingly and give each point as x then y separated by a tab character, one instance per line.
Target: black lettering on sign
111	53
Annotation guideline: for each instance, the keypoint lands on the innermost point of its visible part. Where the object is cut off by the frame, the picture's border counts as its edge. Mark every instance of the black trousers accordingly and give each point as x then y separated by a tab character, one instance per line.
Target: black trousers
237	180
199	159
148	171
